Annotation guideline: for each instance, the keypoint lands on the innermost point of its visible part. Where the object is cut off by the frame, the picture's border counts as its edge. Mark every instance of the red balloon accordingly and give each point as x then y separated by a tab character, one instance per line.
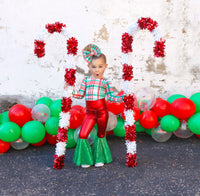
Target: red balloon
136	114
115	107
75	119
40	143
161	107
158	99
77	107
182	108
198	136
19	114
4	146
148	119
30	109
51	139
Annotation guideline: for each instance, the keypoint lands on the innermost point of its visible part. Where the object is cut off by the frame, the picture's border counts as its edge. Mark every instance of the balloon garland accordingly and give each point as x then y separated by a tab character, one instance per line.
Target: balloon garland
70	78
130	99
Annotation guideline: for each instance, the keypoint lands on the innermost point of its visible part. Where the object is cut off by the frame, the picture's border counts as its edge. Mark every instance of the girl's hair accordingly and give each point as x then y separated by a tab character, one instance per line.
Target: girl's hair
88	48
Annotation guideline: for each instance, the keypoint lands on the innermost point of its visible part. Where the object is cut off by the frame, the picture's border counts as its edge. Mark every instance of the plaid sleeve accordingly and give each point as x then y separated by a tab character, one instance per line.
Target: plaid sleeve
110	94
81	92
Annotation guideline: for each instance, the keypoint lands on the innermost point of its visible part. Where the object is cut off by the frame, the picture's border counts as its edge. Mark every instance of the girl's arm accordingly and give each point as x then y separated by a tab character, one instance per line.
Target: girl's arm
81	92
111	95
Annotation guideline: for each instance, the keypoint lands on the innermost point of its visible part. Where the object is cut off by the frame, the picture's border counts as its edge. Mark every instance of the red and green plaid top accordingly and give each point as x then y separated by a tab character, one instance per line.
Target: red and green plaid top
95	89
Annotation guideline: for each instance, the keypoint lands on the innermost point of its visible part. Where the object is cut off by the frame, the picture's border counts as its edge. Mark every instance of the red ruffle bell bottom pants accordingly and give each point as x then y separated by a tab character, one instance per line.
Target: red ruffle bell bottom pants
96	112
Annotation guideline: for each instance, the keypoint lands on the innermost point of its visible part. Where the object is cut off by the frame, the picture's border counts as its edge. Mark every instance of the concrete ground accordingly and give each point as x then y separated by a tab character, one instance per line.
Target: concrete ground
170	168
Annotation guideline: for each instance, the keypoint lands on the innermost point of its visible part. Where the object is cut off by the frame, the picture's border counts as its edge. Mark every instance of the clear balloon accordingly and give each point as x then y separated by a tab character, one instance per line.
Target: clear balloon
159	135
19	144
91	137
40	112
112	121
183	131
146	99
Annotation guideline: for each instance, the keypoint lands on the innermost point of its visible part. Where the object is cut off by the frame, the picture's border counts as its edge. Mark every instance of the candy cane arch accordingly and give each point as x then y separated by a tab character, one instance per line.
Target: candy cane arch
69	77
129	99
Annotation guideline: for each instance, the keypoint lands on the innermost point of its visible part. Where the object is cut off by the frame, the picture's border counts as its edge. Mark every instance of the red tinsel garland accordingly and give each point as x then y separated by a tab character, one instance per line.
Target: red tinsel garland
128	72
147	23
129	102
62	134
127	43
58	161
131	160
39	48
56	27
66	104
130	133
70	77
159	49
72	46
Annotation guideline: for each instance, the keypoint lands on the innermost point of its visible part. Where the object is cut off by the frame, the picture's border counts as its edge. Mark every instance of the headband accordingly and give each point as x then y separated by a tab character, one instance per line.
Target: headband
95	51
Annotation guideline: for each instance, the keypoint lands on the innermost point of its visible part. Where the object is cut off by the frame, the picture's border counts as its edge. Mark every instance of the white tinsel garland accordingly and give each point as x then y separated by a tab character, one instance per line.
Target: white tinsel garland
157	34
127	86
60	148
131	147
132	29
64	120
129	117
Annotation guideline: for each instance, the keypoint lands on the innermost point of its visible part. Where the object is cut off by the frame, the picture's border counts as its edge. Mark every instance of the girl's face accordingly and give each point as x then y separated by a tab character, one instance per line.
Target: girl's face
97	68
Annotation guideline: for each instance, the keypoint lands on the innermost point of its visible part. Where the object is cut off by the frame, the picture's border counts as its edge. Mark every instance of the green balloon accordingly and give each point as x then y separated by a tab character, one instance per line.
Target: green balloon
4	117
70	139
169	123
174	97
194	123
33	132
9	131
119	130
55	108
139	127
196	99
44	100
51	125
148	131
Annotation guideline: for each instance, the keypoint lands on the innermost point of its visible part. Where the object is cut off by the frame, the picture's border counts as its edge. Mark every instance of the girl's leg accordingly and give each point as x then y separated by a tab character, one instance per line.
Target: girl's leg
87	125
102	120
101	151
83	153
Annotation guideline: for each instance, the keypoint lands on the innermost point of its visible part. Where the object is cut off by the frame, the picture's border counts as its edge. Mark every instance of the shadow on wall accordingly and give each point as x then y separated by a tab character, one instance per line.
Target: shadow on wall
6	102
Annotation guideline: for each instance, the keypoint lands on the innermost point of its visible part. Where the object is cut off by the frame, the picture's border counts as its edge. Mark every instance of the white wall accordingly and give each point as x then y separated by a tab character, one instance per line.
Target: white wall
25	78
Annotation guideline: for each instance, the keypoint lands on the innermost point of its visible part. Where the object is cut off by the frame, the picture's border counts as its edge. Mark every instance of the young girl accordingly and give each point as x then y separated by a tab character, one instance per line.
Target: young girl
94	89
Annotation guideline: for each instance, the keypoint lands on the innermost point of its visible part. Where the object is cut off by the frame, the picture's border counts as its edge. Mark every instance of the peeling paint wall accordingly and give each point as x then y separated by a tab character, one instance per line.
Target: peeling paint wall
24	78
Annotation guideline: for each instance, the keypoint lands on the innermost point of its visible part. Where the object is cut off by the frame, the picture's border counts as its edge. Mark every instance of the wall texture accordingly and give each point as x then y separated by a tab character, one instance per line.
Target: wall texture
24	78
